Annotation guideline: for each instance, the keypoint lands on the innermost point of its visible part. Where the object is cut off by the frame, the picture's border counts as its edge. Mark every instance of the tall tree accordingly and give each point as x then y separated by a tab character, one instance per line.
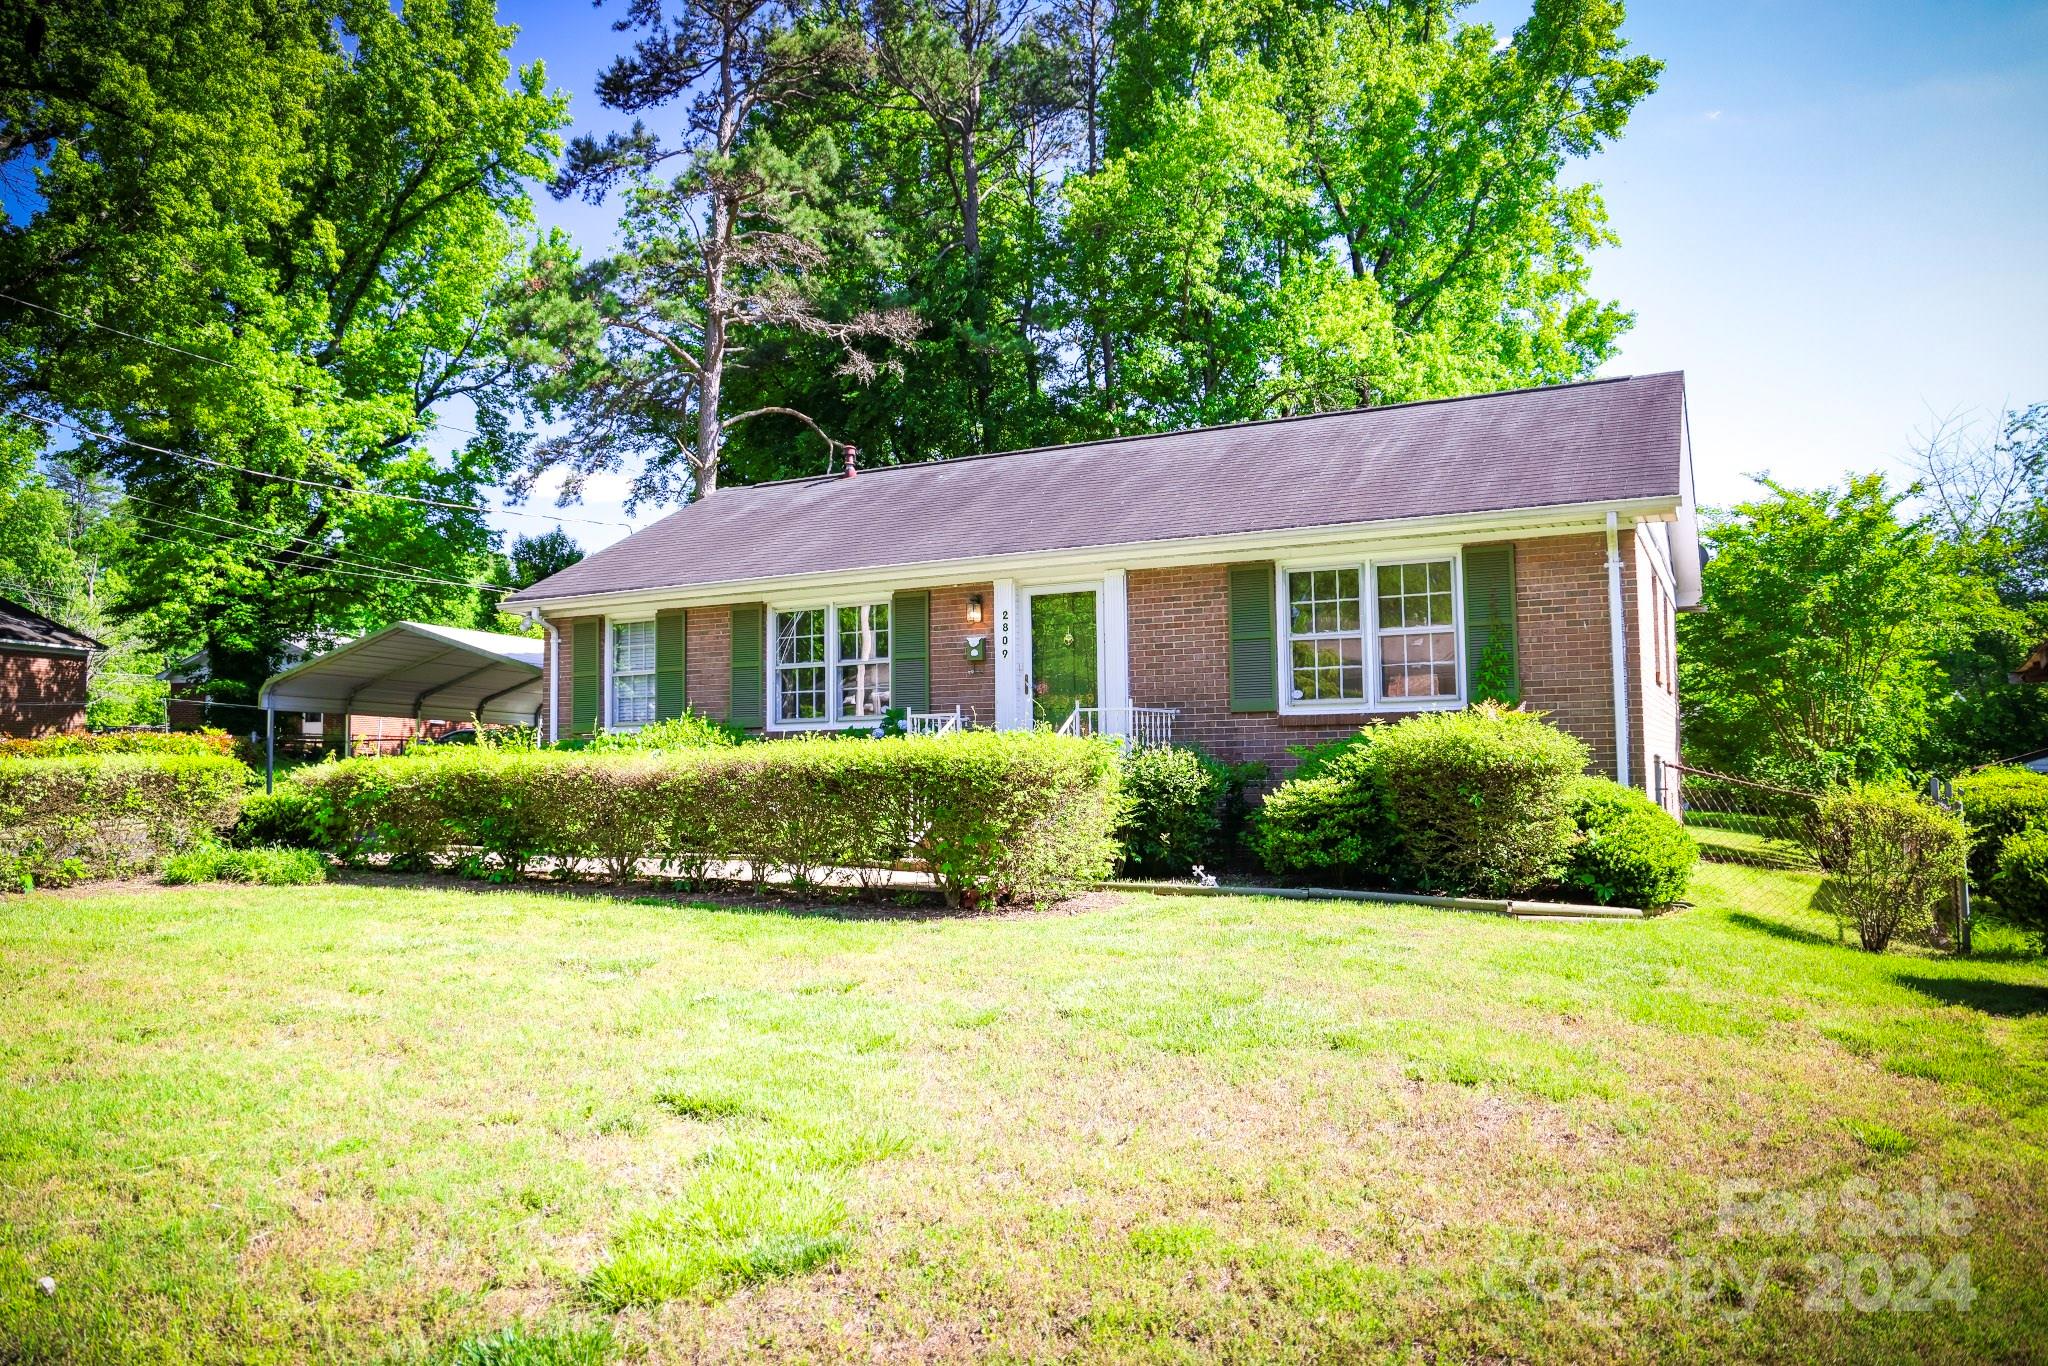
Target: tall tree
724	229
1407	231
267	242
1826	616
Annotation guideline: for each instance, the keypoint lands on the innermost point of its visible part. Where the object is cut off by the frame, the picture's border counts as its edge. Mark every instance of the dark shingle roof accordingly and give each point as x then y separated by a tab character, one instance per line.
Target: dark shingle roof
1601	441
21	629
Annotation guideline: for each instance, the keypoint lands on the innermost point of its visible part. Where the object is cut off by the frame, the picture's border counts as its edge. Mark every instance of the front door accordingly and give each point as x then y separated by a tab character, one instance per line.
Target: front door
1062	655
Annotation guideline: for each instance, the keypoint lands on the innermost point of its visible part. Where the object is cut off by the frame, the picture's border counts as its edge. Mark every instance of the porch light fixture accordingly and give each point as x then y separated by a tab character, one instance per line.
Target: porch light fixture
974	609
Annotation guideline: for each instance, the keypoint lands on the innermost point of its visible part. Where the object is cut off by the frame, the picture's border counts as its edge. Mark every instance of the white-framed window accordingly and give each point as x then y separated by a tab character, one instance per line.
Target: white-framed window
1376	633
1418	631
632	674
831	664
1326	635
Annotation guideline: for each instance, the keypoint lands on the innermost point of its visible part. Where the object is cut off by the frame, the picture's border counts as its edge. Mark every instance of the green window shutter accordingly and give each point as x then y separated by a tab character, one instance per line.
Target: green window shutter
1492	670
585	646
749	652
910	651
1254	657
668	664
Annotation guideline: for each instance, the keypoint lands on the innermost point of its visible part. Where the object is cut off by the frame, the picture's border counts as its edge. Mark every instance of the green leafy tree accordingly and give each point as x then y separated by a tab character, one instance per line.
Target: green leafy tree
1818	651
534	558
267	244
724	228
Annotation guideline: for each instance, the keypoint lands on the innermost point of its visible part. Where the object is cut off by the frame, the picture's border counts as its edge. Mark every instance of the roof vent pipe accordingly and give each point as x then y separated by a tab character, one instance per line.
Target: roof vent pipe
852	456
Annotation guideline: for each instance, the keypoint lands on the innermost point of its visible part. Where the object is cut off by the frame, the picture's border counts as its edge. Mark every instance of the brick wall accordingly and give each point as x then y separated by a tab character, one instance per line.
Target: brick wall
1566	658
957	681
707	661
1180	648
1180	639
41	694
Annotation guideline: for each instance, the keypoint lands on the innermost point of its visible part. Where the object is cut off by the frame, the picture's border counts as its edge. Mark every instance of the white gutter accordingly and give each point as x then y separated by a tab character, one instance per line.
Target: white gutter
1617	637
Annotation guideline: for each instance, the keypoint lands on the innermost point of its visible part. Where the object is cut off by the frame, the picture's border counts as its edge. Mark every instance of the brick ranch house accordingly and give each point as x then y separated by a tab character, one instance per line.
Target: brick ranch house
1250	587
44	669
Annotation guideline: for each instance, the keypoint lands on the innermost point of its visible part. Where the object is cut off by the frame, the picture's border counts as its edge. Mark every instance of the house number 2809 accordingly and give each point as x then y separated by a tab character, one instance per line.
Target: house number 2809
1003	634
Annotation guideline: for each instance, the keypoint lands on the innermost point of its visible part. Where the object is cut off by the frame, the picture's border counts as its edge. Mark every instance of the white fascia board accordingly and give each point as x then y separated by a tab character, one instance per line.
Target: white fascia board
1093	561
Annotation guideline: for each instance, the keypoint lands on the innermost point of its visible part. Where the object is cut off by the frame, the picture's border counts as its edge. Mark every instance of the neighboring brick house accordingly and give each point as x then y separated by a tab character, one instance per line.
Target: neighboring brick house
44	670
1271	584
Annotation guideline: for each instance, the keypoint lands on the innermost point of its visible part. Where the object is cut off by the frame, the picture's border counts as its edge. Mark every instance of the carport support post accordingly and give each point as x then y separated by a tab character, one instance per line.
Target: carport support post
269	745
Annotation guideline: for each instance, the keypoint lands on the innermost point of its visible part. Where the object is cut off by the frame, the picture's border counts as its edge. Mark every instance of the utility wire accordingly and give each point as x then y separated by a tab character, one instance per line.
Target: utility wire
326	569
69	425
362	561
336	562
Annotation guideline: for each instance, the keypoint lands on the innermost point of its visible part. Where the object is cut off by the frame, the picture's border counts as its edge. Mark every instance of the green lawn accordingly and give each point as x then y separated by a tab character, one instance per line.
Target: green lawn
370	1122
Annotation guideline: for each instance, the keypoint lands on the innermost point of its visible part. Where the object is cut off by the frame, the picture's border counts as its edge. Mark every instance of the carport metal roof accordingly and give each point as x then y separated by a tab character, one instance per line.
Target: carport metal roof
429	673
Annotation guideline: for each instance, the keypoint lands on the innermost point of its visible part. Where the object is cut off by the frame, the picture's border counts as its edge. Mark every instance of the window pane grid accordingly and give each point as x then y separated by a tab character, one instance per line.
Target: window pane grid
1418	643
832	663
1327	644
632	673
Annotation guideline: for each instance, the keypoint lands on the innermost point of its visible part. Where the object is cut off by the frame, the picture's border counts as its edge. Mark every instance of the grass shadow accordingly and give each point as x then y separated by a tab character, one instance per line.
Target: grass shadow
900	904
1778	929
2013	1000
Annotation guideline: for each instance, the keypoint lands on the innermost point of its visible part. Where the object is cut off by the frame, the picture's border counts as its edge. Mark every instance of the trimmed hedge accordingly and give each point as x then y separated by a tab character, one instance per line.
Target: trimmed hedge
1998	803
1630	851
1181	809
2021	884
1486	802
1482	797
1334	821
65	820
996	816
87	743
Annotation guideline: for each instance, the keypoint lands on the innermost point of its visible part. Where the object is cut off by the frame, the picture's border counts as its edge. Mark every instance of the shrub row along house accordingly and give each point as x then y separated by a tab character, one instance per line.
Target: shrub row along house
1244	588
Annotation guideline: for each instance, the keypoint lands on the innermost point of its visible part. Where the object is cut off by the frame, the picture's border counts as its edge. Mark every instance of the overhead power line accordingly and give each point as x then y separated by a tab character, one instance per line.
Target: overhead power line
362	561
338	565
80	430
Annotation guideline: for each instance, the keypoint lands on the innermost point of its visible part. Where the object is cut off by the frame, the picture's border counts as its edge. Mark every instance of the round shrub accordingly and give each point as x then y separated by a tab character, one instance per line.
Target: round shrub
2020	885
1998	803
1482	797
1890	855
1335	824
1173	809
1630	851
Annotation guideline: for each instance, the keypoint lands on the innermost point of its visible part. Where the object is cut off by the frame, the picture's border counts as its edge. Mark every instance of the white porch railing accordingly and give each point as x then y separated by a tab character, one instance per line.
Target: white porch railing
1142	726
934	722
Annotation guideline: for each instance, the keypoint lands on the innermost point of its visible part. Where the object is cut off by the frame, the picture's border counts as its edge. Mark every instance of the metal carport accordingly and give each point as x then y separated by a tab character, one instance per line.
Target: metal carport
428	673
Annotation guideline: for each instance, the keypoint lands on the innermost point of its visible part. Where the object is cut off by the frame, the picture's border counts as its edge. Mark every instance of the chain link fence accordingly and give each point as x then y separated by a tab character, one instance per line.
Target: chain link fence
1755	838
1757	842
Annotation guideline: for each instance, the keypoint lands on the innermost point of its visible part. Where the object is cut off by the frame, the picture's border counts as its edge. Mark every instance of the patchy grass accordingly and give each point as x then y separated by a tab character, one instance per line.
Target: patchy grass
383	1123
